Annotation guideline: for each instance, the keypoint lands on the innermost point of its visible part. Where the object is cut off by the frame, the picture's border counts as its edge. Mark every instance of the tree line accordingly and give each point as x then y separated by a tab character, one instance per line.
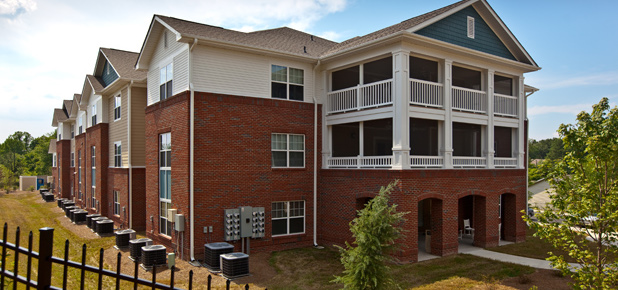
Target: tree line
22	154
543	155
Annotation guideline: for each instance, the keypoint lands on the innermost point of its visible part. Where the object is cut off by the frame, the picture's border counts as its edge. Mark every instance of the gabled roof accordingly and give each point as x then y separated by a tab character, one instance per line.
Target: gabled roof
52	146
283	40
59	116
75	106
92	85
399	27
123	63
67	106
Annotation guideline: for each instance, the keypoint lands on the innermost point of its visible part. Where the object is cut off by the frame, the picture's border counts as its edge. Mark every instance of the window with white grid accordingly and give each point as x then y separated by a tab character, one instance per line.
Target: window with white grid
288	217
288	150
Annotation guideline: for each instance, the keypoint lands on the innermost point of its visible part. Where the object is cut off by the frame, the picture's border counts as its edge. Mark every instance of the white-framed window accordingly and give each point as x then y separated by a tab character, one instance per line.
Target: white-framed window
94	114
165	183
288	150
117	106
72	159
118	154
72	131
116	202
288	218
165	81
54	160
470	27
80	125
287	83
79	174
93	177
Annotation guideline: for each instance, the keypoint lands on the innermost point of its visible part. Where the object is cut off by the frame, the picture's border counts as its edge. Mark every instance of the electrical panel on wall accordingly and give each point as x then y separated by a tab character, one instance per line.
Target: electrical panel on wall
244	222
231	228
257	222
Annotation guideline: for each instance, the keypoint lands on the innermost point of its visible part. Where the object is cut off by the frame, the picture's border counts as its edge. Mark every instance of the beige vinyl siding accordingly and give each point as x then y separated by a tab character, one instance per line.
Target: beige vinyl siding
163	56
138	127
181	72
237	73
118	130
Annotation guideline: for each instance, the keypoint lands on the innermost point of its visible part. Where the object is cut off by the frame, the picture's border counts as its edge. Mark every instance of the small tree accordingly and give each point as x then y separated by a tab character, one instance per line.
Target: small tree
374	230
586	194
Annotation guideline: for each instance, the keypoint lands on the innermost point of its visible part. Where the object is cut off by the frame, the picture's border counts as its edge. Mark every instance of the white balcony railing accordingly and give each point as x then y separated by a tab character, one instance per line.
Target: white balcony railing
500	162
360	97
505	105
426	161
469	100
360	162
426	93
469	162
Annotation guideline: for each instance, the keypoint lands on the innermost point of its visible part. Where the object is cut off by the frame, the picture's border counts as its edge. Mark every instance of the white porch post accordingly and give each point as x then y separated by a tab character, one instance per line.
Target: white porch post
326	130
401	104
490	120
447	150
521	108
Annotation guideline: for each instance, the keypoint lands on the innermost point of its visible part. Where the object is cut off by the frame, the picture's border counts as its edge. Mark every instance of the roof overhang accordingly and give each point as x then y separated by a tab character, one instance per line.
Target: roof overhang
149	45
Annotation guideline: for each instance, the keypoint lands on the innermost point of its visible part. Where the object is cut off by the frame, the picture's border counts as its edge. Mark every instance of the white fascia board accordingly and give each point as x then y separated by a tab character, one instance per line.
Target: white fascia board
441	16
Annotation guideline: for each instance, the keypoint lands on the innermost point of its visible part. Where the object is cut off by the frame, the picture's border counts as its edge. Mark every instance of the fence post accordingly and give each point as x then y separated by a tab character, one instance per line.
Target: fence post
46	247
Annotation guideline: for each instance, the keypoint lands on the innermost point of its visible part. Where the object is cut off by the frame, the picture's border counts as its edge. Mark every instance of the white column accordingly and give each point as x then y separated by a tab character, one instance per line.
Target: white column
401	104
521	103
447	149
490	122
326	130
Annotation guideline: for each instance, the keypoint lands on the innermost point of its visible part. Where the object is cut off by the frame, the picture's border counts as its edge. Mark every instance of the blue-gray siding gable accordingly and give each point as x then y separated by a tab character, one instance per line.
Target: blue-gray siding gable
454	29
110	77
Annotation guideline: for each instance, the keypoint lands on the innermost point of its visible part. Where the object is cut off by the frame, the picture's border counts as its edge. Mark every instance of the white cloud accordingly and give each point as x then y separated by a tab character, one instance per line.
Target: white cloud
13	8
561	109
45	55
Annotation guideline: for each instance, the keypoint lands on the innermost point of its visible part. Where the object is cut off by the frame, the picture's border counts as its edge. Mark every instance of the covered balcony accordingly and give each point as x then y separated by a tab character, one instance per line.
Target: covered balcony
370	85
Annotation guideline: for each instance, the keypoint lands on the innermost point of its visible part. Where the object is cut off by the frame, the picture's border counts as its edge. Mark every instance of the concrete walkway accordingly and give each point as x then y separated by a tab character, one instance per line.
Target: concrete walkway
480	252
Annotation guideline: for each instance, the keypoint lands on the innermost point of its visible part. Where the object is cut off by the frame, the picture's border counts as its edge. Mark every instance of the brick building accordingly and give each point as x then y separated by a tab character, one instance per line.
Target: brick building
304	131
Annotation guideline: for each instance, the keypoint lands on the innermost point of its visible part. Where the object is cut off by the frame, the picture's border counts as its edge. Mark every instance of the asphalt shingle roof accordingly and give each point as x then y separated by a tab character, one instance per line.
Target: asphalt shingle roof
123	62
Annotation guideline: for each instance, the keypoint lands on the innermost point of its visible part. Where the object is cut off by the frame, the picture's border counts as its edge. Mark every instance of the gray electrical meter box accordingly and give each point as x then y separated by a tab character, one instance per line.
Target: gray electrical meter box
231	228
257	222
246	215
179	223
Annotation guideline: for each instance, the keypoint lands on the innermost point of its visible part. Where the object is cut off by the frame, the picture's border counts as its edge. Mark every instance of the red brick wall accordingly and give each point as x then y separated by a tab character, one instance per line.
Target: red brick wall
170	115
80	149
97	136
118	180
63	153
233	165
139	199
339	190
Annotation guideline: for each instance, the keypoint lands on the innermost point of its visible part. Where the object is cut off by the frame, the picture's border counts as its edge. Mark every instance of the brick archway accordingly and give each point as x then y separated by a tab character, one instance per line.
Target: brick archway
508	217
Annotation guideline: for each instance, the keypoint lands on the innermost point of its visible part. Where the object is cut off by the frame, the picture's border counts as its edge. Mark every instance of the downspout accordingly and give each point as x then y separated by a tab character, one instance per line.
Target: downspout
315	165
130	209
191	155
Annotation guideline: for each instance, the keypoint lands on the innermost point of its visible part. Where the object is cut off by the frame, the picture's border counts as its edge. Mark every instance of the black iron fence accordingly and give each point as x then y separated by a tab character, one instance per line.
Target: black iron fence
10	279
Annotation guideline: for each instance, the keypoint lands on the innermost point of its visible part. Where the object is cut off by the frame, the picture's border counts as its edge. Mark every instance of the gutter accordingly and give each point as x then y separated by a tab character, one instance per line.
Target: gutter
191	157
315	165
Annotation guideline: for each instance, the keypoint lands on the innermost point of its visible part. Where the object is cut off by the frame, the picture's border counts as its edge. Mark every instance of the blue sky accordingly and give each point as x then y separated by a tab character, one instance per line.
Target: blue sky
49	46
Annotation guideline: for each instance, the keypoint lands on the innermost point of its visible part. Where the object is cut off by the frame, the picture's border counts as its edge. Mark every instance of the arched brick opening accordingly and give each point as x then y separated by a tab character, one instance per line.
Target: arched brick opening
432	228
474	208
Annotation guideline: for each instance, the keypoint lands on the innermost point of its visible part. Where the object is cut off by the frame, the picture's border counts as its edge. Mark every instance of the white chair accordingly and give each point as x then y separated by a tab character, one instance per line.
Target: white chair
467	229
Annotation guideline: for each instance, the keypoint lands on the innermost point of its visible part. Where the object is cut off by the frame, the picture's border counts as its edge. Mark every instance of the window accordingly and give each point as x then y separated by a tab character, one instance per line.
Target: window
116	203
117	103
165	182
79	173
470	27
72	131
288	150
288	218
54	161
424	137
467	140
165	82
81	128
287	83
117	154
466	78
93	177
94	114
72	159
